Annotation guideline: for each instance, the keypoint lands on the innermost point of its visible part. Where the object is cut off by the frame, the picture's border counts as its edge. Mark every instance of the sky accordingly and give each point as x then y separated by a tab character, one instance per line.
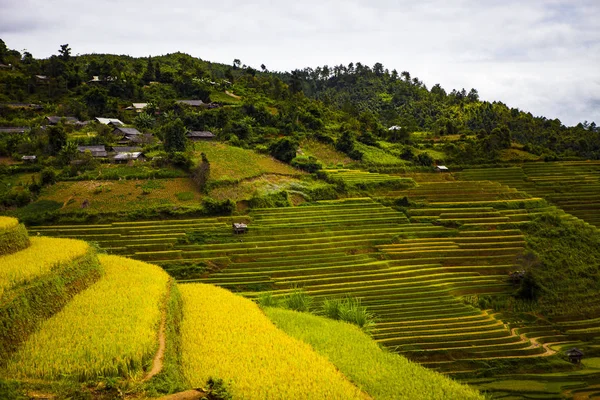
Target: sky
541	56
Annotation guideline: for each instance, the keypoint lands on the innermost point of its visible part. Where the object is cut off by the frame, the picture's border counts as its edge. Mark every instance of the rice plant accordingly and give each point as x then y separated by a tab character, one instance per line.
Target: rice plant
227	337
109	329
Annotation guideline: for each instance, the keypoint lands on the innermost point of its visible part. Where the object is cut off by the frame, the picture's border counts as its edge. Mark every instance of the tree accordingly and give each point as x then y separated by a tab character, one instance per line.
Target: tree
3	50
64	52
144	121
68	153
201	173
236	63
174	135
149	73
284	149
57	138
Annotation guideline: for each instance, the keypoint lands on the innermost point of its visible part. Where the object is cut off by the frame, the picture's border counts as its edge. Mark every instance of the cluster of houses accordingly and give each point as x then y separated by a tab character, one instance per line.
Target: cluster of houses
129	141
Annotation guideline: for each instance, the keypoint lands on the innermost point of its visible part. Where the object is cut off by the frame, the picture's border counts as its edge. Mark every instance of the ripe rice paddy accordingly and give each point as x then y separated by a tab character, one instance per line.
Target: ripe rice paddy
109	329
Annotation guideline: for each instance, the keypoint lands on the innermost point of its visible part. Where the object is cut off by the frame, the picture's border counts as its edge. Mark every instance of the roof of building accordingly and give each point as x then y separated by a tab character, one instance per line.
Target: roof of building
29	158
128	155
193	103
13	129
574	352
200	134
91	148
54	119
127	131
126	149
107	121
442	167
394	128
137	106
144	138
41	77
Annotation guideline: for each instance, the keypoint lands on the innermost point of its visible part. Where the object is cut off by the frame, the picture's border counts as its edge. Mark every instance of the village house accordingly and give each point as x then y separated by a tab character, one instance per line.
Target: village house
54	120
97	151
191	103
123	131
124	157
200	135
109	121
29	159
138	107
126	149
13	129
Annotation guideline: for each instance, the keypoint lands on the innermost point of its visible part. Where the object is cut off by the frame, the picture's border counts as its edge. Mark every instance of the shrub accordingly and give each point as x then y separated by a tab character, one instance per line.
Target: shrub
349	310
216	207
180	160
298	300
266	299
48	176
308	164
270	200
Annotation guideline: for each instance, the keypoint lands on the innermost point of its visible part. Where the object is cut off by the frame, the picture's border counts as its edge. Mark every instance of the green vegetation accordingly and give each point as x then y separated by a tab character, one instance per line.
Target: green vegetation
381	374
489	269
13	236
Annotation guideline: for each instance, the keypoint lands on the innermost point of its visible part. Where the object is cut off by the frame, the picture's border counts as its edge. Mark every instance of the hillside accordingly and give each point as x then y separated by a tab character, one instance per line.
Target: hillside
131	329
486	270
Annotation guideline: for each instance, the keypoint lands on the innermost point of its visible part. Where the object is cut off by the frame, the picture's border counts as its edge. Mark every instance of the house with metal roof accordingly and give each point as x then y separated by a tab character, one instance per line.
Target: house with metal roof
109	121
200	135
97	151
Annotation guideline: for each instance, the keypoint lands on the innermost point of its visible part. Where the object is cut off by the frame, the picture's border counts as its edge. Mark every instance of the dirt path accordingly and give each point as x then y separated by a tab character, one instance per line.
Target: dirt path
157	363
187	395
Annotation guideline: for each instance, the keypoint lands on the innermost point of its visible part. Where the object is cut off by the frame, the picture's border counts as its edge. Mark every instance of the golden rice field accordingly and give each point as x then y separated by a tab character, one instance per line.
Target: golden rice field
7	223
380	373
228	337
122	195
109	329
234	163
28	264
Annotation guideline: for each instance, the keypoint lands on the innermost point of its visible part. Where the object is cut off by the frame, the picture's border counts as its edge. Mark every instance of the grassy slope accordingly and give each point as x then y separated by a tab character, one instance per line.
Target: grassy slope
381	374
122	195
229	163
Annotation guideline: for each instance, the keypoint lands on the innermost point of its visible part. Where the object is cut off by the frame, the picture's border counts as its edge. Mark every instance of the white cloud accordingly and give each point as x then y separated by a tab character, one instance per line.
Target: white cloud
537	55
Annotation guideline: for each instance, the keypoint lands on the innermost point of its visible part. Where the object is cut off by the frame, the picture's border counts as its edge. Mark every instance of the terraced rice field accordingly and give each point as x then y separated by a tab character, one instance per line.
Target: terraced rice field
573	186
353	177
410	273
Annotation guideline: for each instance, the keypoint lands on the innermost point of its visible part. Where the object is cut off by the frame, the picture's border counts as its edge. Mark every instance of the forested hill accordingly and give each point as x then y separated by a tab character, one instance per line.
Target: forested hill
254	107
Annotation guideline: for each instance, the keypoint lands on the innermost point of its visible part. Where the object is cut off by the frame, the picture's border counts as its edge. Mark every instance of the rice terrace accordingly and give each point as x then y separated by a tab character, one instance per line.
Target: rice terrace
174	228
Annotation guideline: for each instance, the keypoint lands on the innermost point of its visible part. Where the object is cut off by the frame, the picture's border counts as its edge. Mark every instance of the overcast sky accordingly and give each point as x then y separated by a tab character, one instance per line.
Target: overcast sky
541	56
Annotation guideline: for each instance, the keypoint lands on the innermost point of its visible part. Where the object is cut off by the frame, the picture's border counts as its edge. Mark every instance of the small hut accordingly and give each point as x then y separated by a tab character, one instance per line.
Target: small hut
239	227
441	168
575	355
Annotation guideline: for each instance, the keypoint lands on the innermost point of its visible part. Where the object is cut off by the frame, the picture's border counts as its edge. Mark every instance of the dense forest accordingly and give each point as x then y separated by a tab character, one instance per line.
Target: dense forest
273	111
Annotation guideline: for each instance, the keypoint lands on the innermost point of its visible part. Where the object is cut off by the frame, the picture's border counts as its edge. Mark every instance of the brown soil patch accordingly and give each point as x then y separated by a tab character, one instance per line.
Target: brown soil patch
157	363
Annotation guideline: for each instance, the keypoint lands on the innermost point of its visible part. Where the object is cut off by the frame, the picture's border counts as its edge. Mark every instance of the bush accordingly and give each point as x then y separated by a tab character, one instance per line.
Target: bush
349	310
284	149
180	160
216	207
298	300
48	176
308	164
267	300
270	200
